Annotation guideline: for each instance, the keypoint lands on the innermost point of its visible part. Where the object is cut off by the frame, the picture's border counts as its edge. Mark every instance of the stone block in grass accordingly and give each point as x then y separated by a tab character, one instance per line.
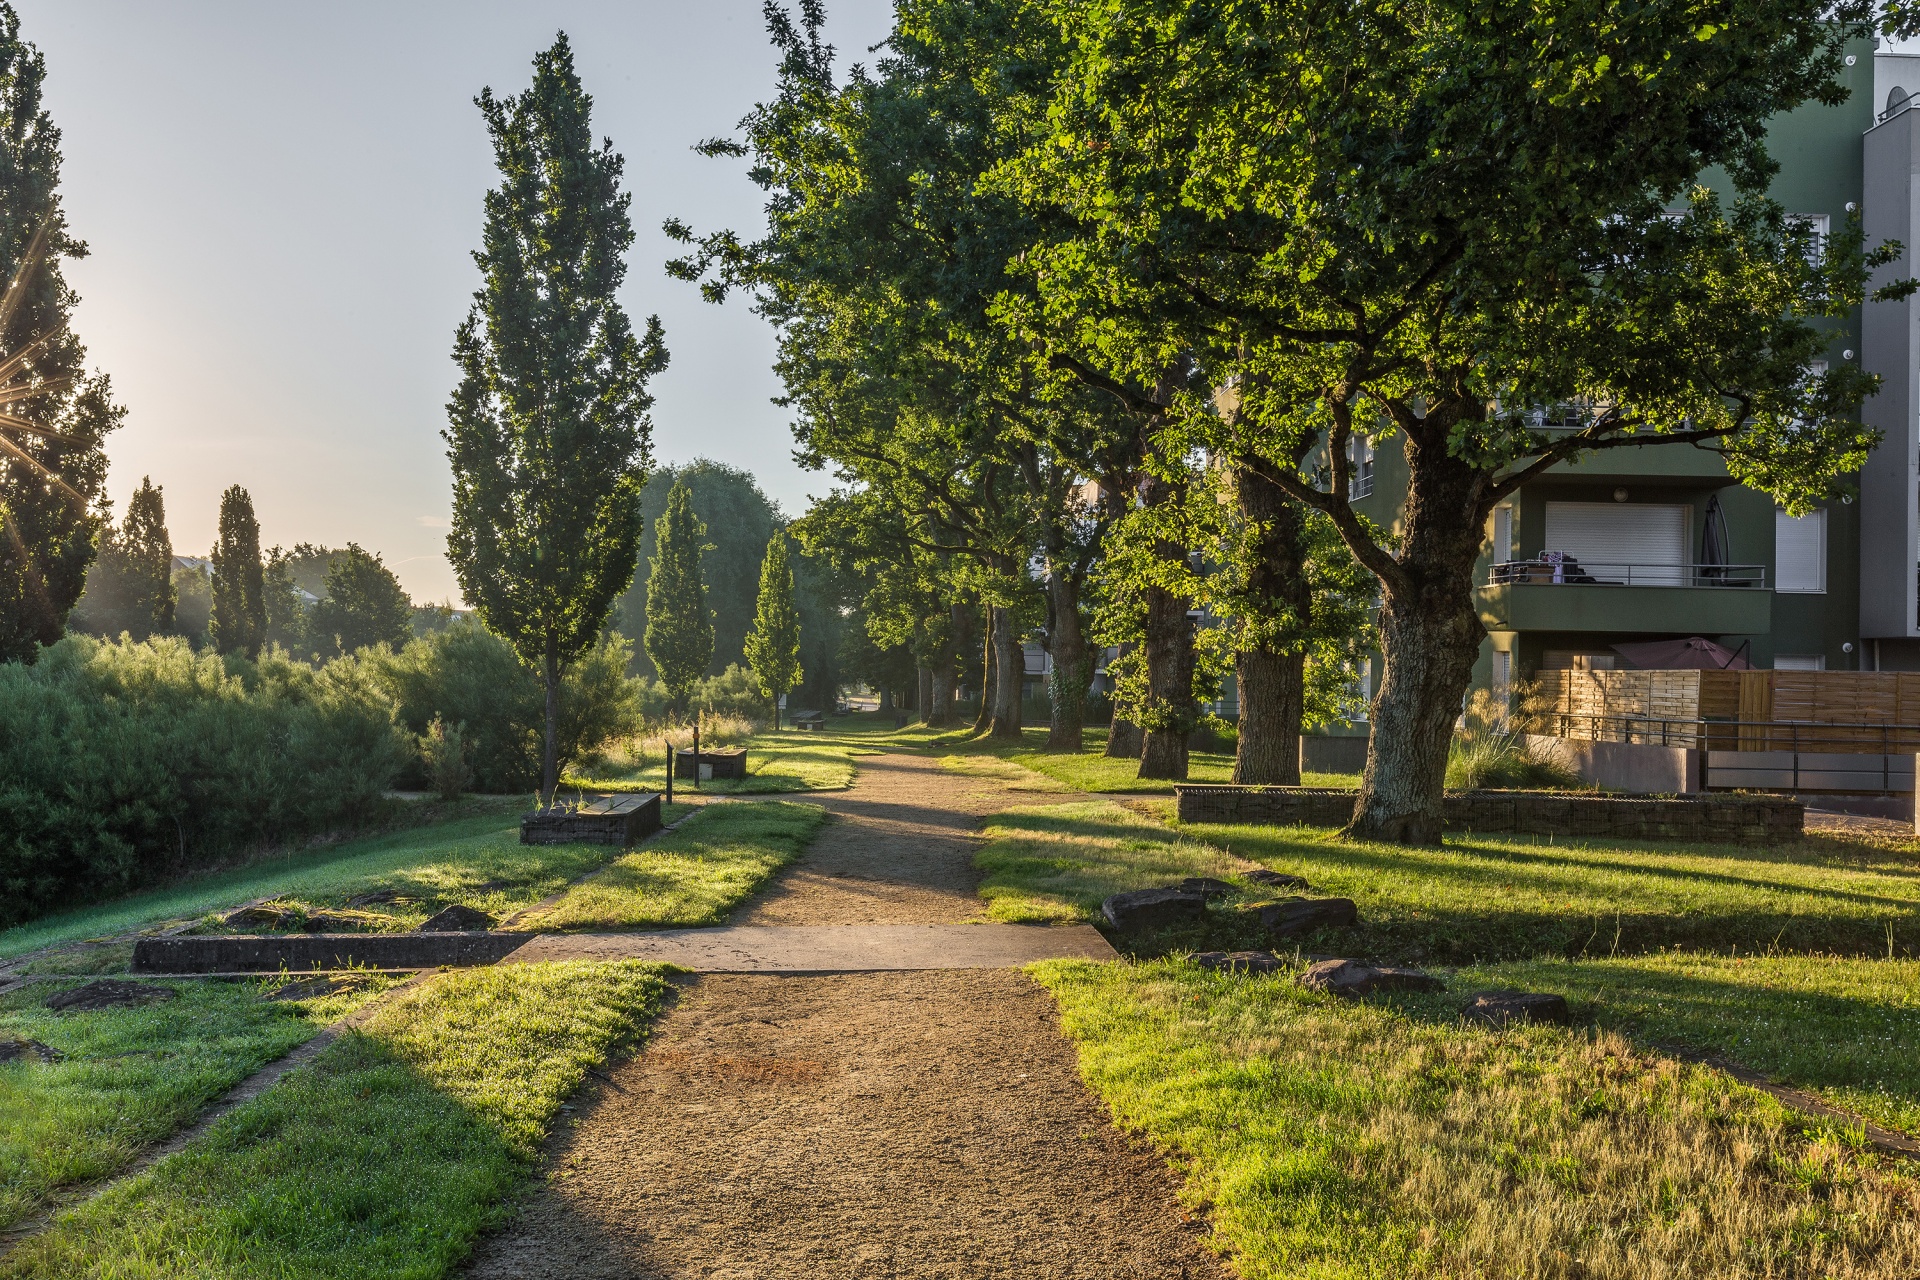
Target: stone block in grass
1150	910
1500	1008
1298	916
1352	979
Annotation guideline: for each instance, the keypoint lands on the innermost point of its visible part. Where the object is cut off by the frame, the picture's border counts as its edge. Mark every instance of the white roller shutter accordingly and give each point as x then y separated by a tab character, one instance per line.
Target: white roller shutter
1800	552
1621	541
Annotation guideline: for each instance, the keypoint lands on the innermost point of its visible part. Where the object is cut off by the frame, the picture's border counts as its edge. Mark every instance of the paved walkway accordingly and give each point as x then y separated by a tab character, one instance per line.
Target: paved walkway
876	1124
834	948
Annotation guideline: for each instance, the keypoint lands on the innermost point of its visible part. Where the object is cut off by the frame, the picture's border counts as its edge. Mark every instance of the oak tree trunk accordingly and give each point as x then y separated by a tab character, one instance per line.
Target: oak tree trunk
1430	634
940	700
1123	739
1272	691
1272	684
1072	666
989	669
1009	669
923	696
1172	712
886	699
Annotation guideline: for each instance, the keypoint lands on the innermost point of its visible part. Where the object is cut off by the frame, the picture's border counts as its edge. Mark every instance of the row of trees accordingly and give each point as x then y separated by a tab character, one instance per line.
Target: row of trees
1089	307
313	602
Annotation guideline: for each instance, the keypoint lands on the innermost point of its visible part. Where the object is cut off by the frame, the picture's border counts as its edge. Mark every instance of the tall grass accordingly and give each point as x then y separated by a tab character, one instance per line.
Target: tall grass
1491	750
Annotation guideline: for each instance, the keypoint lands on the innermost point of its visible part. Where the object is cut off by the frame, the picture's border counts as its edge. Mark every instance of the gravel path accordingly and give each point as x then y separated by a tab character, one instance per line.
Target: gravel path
925	1124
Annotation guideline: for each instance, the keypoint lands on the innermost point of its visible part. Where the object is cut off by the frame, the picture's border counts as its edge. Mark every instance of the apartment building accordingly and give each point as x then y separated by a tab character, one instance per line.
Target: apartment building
1638	545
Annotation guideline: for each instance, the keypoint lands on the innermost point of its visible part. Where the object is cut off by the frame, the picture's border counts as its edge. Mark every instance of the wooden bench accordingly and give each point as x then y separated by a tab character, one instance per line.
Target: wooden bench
618	820
807	720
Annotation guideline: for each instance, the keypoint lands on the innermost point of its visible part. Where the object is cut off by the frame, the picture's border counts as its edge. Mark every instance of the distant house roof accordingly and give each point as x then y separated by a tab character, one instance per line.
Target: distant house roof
203	563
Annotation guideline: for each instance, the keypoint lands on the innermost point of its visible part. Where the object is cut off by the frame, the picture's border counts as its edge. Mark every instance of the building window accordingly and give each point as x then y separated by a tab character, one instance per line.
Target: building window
1502	670
1800	552
1360	454
1800	662
1640	543
1502	534
1818	223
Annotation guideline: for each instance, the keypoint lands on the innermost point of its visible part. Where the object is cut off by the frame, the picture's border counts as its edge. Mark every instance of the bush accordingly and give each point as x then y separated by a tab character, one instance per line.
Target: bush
466	675
127	761
443	750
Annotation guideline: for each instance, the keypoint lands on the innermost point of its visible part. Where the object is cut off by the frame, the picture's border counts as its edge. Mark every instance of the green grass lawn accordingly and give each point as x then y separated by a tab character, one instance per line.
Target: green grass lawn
477	862
1483	898
131	1077
1326	1139
1056	863
692	876
1088	771
1843	1027
386	1157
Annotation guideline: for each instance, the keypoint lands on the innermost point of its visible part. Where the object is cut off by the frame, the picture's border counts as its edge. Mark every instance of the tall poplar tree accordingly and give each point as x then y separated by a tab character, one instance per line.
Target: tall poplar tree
548	431
679	624
773	646
53	466
239	589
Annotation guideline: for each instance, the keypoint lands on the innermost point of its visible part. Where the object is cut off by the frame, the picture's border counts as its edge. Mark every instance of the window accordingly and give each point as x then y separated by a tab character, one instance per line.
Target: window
1819	224
1800	662
1502	534
1800	552
1360	454
1639	543
1502	669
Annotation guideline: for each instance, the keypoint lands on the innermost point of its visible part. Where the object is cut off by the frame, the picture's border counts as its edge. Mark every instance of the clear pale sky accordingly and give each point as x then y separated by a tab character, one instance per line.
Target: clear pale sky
281	200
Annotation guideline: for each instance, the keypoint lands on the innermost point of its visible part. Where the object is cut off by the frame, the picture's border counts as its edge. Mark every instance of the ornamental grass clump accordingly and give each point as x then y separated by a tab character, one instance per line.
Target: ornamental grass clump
1491	750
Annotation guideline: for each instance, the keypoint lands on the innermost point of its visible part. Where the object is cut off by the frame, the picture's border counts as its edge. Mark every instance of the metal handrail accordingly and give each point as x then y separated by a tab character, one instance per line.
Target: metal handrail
1570	571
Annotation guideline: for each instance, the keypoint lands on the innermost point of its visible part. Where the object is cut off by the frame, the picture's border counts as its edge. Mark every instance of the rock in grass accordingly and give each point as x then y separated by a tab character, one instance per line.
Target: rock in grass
1277	879
314	988
1498	1008
1239	961
334	922
1145	910
1205	886
1352	979
20	1050
1304	915
264	915
457	919
108	993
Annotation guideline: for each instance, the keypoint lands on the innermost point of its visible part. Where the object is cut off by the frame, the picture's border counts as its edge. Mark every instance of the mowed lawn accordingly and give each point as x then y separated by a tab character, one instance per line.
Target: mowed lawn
1388	1138
128	1077
387	1156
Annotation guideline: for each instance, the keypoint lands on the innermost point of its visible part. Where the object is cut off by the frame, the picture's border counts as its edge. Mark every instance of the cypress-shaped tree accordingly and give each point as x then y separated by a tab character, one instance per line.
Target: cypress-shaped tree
679	624
773	646
239	596
548	430
146	562
52	463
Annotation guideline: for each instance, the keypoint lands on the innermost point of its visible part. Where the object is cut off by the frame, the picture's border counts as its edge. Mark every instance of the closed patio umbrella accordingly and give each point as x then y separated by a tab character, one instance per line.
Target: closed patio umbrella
1713	542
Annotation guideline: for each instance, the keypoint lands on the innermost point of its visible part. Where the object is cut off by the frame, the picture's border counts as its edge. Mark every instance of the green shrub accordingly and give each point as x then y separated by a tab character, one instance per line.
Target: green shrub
466	675
443	749
123	762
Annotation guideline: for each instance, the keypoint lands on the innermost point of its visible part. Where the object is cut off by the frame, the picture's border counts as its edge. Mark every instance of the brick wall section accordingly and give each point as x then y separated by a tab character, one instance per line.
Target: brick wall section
1714	819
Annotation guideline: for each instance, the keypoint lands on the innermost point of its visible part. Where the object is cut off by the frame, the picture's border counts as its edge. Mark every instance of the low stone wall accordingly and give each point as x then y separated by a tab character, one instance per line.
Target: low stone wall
304	952
1626	766
1715	819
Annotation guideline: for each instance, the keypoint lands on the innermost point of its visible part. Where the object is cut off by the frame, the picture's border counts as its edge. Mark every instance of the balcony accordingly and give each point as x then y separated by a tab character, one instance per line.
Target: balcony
1572	595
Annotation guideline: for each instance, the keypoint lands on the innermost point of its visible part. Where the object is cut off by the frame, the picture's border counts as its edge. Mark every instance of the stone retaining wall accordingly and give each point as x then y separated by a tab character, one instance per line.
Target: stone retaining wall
298	952
1716	819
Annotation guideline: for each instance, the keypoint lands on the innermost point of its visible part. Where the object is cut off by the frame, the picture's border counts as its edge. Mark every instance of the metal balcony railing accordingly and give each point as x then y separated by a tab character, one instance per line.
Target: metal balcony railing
1567	570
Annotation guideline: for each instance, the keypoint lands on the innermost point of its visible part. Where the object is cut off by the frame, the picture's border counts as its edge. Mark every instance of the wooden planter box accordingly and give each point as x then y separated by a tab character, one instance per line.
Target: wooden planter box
618	820
725	764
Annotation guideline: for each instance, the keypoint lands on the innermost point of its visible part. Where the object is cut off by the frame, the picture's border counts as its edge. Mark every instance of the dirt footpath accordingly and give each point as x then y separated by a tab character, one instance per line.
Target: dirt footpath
865	1125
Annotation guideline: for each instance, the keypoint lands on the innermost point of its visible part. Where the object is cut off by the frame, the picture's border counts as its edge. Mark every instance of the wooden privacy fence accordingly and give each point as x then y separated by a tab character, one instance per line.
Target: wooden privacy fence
1827	711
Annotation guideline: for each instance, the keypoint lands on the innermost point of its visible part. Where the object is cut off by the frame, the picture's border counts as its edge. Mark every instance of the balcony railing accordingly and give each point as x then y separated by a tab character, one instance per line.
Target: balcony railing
1567	571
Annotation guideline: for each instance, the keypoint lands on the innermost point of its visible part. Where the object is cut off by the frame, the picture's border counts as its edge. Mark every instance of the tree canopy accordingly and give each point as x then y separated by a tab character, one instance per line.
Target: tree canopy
239	623
548	431
679	635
